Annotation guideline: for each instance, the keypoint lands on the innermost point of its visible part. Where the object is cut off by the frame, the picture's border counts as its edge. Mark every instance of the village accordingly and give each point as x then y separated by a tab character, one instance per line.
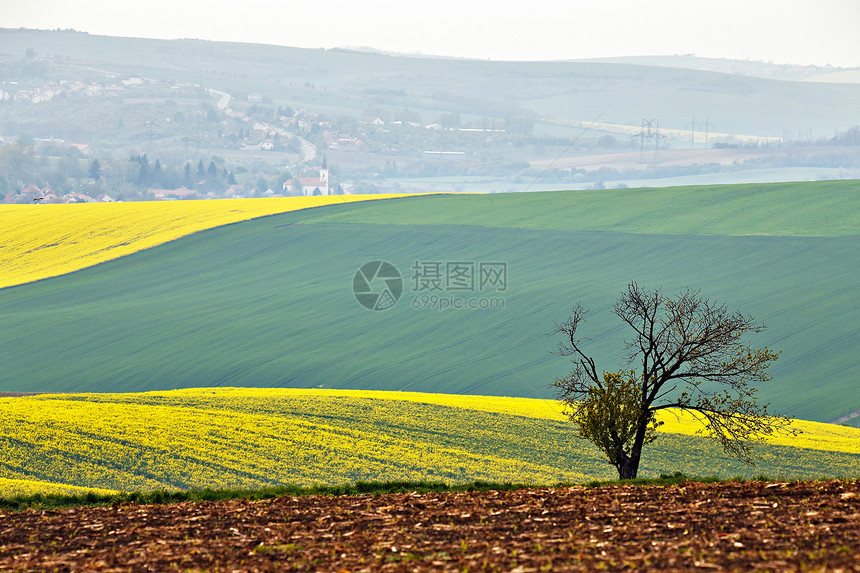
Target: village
289	147
72	130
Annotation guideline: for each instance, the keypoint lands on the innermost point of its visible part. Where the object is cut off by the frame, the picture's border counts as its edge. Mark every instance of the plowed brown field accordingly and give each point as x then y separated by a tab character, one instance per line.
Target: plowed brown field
731	526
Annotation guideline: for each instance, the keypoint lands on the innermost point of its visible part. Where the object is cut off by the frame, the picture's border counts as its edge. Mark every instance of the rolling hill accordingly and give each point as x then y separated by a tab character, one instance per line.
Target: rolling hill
41	241
270	303
340	81
260	111
251	438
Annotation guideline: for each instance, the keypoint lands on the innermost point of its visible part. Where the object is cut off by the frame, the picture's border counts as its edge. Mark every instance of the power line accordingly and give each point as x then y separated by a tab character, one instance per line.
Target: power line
697	127
650	130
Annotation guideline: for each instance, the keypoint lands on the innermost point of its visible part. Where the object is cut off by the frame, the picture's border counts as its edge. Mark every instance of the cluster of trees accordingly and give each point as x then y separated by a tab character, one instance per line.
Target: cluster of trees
211	179
849	137
23	69
20	168
128	180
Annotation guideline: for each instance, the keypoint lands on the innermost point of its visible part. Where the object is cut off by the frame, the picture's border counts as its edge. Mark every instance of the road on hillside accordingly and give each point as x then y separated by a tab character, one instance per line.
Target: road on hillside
307	150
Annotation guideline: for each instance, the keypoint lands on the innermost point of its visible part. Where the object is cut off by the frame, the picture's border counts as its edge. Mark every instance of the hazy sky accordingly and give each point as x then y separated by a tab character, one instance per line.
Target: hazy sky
782	31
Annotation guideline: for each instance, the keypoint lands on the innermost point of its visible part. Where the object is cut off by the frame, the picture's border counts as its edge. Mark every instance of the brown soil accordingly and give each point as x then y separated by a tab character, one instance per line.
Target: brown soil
729	526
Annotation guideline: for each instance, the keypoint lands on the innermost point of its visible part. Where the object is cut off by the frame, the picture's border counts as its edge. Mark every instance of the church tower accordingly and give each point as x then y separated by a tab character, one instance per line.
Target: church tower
324	171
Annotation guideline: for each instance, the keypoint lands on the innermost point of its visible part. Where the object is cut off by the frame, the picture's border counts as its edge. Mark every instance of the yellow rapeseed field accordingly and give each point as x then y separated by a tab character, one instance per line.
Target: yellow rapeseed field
246	438
21	487
41	241
814	435
152	441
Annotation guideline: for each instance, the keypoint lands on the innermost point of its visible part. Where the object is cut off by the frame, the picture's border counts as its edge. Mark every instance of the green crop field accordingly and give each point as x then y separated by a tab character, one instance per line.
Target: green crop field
246	438
826	209
269	302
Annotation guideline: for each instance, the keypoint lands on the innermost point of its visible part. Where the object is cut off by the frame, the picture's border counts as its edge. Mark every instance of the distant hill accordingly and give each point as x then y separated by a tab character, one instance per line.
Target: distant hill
752	68
349	81
383	120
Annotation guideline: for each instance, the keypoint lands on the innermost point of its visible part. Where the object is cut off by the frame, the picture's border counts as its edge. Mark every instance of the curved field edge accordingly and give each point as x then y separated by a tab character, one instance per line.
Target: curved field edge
253	438
42	241
813	435
799	209
12	488
269	303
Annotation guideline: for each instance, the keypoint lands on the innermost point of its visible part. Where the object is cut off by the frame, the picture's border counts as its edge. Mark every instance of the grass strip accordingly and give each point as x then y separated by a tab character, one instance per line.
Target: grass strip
91	499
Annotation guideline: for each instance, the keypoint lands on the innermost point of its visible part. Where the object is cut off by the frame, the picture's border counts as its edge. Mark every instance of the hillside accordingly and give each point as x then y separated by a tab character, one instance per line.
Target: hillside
262	114
270	302
11	488
801	209
41	241
346	81
251	438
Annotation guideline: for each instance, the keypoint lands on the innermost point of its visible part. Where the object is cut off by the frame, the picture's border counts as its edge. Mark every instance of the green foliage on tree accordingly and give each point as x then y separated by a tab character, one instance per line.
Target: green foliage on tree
157	178
262	185
283	177
691	356
610	416
95	171
519	125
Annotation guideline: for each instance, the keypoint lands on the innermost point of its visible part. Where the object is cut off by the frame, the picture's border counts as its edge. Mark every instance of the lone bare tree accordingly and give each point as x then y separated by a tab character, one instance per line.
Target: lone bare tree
689	355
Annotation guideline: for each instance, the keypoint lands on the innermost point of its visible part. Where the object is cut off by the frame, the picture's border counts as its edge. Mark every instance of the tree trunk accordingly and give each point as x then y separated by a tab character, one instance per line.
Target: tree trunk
628	467
628	464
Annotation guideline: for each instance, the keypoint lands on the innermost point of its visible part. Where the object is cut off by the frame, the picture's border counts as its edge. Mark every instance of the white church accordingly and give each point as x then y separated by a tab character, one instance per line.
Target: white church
310	185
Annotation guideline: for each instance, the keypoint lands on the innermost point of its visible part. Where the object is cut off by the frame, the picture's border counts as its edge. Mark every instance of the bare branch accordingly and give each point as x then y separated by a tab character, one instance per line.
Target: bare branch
572	346
683	343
